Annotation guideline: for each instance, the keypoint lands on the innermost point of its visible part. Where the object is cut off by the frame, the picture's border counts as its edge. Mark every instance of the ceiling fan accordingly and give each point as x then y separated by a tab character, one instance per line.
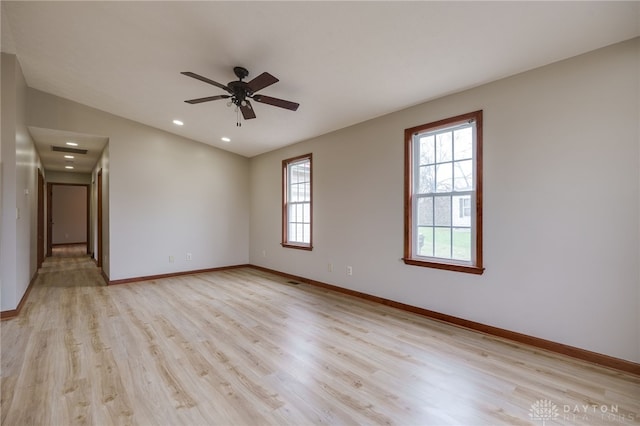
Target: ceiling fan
241	91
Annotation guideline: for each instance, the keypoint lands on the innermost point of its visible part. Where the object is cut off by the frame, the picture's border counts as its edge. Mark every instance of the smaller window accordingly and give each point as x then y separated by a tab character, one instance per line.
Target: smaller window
297	209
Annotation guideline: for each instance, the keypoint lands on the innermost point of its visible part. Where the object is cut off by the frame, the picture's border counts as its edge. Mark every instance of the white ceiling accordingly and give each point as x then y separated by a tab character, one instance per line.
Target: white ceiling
344	62
46	139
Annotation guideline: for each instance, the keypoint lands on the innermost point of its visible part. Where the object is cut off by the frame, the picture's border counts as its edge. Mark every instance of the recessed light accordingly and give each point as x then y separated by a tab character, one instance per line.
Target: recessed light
69	156
225	139
178	123
72	144
68	167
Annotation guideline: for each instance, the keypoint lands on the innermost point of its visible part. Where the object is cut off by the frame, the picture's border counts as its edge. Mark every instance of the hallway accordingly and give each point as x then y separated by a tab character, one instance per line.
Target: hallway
69	266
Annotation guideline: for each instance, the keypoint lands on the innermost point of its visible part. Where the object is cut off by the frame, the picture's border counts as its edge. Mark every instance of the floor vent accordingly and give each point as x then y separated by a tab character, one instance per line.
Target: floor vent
293	282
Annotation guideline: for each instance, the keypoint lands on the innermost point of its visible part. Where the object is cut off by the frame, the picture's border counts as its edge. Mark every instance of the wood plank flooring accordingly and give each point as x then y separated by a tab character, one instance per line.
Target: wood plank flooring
243	347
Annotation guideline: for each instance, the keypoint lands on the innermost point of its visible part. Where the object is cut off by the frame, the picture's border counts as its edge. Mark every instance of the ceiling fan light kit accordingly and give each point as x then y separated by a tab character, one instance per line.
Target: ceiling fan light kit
240	92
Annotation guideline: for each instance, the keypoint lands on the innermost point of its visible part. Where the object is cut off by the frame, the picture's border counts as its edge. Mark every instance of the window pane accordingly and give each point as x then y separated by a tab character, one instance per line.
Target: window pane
293	174
463	175
306	211
443	211
300	191
444	177
306	229
297	192
292	232
307	191
461	210
425	241
299	172
462	244
443	147
443	242
427	179
299	231
293	217
293	193
463	144
425	211
427	150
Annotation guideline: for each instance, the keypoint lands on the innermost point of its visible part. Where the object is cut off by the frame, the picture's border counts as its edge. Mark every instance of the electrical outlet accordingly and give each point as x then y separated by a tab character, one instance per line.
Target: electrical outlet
171	259
349	270
330	267
189	256
264	253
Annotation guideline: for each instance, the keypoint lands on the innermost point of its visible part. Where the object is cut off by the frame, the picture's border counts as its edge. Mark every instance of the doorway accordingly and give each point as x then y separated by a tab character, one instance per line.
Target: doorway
99	214
67	215
40	235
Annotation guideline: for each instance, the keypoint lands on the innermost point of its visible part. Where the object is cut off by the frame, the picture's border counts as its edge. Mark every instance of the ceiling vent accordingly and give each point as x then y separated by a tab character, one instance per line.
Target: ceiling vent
70	150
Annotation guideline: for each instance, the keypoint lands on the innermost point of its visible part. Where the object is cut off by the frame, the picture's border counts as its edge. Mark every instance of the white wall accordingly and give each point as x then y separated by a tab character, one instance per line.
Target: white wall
167	195
20	163
27	165
561	206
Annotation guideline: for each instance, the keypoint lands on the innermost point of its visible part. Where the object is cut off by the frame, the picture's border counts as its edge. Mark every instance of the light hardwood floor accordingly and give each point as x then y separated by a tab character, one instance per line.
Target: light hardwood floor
243	347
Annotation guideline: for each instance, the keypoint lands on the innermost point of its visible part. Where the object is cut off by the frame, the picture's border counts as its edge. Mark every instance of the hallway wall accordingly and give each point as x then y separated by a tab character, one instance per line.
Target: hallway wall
19	192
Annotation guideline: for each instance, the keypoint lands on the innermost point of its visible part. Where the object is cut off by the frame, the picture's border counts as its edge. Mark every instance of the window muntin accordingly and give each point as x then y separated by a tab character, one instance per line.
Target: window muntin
297	202
443	187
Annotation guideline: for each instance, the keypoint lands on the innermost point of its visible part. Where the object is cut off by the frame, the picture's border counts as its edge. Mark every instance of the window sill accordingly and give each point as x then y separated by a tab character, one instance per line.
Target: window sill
469	269
297	246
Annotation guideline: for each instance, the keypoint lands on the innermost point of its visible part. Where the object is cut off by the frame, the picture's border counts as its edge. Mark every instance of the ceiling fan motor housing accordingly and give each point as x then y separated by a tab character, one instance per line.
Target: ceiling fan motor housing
240	91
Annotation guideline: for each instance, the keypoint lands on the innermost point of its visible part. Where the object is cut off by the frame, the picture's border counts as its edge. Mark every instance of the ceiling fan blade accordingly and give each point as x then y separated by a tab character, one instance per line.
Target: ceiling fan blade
276	102
260	82
247	111
206	80
207	99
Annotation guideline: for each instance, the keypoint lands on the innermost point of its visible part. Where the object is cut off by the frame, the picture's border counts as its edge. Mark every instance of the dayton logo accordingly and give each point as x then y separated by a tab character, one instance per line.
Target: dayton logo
543	410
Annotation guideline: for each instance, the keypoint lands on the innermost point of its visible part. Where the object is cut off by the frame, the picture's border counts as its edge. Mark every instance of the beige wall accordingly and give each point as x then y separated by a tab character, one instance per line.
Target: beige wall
69	214
561	206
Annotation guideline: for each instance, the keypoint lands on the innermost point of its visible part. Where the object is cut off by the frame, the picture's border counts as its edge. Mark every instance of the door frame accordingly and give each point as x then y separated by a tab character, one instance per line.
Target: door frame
40	234
99	219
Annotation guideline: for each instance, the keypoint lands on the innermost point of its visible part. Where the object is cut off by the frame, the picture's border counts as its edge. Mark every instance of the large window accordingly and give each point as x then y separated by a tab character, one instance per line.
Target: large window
443	194
296	203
